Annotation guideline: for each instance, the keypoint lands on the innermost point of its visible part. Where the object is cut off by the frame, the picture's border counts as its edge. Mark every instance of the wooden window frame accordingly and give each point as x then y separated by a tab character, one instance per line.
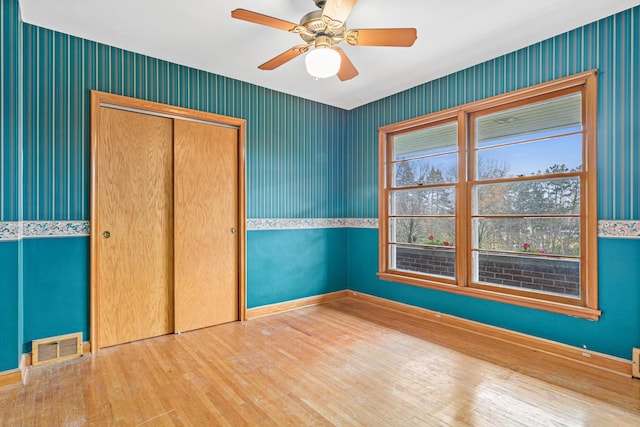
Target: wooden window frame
584	307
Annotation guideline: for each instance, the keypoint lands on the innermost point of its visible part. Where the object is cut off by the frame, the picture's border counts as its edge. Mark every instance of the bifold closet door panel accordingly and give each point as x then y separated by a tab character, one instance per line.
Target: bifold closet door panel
135	224
205	221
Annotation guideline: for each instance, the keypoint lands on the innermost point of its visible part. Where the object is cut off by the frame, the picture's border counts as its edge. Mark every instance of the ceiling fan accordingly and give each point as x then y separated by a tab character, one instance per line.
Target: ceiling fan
323	30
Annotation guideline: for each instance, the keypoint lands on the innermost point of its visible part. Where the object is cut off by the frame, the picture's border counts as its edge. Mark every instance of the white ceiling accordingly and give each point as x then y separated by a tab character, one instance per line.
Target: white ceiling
452	35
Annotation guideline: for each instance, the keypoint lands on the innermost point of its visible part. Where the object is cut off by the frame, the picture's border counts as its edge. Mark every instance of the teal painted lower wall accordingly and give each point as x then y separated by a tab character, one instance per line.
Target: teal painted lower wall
288	264
283	265
9	303
616	333
56	288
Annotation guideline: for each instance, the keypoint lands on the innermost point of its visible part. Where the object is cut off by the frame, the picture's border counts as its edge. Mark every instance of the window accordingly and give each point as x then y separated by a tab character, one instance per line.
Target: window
497	199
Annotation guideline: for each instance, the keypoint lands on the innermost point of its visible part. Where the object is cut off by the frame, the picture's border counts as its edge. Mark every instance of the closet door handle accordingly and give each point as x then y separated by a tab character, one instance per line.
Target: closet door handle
106	234
233	230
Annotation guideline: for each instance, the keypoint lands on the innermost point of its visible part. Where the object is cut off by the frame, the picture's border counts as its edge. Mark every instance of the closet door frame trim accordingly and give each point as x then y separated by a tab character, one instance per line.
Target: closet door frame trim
108	100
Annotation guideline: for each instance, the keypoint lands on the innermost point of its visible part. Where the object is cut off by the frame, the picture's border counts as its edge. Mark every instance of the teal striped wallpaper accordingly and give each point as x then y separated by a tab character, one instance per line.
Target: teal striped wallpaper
612	45
293	145
10	35
304	160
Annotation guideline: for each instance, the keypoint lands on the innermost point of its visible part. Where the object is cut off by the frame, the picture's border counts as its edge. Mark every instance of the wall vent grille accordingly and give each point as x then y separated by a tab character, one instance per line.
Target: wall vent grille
57	349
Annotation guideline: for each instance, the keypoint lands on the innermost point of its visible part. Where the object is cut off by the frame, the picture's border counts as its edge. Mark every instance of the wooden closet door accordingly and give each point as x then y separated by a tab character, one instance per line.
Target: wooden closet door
134	226
206	216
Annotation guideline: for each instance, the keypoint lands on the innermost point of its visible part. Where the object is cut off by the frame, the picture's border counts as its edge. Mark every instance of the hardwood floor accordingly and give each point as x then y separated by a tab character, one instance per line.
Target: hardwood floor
342	363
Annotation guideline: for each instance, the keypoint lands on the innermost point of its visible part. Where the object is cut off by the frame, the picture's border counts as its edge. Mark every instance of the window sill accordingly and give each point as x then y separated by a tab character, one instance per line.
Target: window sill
523	301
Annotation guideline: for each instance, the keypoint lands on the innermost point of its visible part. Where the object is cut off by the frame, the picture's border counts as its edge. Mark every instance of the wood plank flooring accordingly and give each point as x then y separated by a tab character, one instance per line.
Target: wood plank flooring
342	363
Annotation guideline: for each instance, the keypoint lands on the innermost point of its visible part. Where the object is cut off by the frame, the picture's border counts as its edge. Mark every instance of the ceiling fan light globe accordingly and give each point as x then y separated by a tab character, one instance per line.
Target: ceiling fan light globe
322	62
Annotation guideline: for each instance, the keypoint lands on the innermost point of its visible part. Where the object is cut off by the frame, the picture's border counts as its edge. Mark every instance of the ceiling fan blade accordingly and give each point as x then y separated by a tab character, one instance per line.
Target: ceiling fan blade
347	69
258	18
403	37
284	57
335	12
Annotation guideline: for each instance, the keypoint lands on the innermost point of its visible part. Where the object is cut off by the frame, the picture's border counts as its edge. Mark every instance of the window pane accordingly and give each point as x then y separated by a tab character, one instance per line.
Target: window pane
547	118
430	170
545	156
539	274
423	231
427	141
536	197
558	236
423	201
435	261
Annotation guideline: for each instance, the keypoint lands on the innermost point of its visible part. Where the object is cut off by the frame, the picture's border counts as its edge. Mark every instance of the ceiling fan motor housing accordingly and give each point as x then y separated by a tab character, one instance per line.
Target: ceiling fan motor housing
312	21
